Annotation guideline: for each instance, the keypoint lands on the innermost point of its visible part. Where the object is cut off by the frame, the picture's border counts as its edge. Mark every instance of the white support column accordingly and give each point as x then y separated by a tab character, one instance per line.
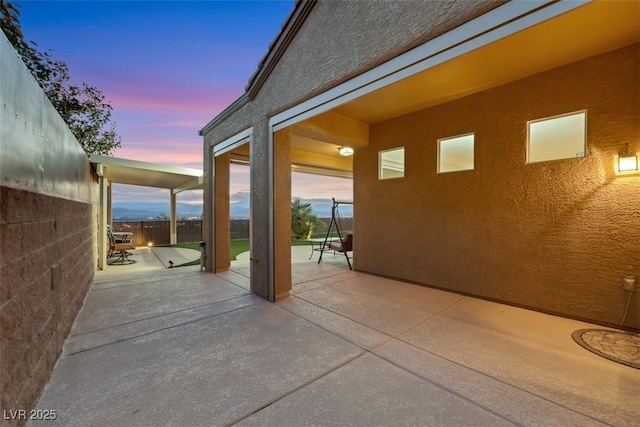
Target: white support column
109	207
102	222
173	235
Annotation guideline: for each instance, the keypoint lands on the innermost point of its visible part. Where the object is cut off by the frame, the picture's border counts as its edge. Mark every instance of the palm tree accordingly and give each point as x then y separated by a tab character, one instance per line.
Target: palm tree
303	221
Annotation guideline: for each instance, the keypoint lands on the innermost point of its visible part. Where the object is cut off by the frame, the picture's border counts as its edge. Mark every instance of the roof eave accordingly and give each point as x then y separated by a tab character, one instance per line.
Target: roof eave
279	45
235	106
266	65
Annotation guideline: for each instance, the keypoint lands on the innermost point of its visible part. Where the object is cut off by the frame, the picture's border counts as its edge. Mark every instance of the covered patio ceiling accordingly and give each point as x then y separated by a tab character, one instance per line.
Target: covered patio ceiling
133	172
590	30
596	27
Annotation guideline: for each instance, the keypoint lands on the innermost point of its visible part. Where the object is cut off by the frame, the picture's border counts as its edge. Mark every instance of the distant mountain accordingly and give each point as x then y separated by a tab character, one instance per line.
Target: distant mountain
239	210
321	208
140	211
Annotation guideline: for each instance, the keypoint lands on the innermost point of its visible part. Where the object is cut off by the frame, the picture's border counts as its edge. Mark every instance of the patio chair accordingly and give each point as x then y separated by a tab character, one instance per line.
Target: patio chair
343	245
119	248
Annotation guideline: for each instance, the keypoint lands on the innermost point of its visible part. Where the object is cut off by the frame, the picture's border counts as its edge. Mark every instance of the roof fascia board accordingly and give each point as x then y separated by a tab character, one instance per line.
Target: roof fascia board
235	106
191	184
494	25
233	142
136	164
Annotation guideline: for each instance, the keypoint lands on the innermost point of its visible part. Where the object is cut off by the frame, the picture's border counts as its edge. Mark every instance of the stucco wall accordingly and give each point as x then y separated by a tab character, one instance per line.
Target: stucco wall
557	236
341	39
338	40
47	234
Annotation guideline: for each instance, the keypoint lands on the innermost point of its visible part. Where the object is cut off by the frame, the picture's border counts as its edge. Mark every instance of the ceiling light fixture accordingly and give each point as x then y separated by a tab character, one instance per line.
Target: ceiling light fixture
346	151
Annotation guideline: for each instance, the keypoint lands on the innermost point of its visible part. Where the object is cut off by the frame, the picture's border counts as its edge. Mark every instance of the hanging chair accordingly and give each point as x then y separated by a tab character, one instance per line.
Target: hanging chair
345	244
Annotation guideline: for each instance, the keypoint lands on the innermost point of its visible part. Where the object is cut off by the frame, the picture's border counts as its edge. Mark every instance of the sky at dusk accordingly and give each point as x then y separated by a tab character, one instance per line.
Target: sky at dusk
167	68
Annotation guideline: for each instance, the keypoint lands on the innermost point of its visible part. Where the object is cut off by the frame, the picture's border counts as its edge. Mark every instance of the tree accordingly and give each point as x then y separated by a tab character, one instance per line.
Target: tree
83	108
303	221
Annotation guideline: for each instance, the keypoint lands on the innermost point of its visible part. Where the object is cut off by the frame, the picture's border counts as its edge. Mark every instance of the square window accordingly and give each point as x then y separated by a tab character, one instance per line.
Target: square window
456	153
555	138
391	163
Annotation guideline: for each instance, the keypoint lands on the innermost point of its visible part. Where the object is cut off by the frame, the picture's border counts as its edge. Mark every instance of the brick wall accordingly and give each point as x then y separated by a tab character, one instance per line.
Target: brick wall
46	267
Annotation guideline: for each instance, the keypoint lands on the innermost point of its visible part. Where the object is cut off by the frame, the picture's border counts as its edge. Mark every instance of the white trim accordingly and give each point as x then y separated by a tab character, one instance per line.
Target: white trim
528	160
391	164
499	23
319	170
233	142
210	239
448	138
271	262
145	166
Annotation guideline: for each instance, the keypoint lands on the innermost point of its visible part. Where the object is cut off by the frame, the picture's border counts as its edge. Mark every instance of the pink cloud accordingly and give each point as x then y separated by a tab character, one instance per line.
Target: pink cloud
176	158
153	93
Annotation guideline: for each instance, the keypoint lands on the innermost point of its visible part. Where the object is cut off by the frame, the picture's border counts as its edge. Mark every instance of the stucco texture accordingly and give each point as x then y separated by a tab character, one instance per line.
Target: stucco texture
340	40
556	236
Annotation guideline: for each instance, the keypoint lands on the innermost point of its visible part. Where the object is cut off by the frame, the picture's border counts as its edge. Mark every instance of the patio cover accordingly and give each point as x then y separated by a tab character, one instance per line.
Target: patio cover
133	172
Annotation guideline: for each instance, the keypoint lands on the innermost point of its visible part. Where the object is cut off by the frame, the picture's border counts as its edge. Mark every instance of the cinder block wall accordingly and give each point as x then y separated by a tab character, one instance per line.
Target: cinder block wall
46	267
556	236
48	222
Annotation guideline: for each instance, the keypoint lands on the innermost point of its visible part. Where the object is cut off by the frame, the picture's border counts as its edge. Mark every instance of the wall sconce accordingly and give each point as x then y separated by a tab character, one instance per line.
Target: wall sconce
627	162
346	151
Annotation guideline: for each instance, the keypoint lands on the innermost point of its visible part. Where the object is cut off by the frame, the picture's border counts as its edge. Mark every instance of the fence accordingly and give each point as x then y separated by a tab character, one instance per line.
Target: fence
157	232
240	227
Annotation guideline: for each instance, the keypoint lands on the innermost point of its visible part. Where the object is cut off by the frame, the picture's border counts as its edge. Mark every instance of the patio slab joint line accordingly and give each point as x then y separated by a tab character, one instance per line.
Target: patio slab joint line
389	337
338	273
370	327
337	314
147	278
486	376
155	317
162	329
232	283
416	374
429	317
300	387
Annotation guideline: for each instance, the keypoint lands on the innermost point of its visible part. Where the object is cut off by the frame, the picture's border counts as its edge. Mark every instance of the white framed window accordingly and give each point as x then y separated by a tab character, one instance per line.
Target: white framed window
558	137
456	153
391	163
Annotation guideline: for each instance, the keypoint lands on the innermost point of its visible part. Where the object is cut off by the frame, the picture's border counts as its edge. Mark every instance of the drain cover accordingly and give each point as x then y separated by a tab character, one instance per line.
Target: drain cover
619	346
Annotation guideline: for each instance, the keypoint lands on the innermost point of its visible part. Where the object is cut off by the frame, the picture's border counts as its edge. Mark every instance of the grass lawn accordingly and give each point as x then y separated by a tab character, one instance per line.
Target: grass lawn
238	246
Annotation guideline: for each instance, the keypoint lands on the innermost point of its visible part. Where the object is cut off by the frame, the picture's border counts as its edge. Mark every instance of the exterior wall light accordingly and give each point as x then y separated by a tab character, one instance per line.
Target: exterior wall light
627	162
346	151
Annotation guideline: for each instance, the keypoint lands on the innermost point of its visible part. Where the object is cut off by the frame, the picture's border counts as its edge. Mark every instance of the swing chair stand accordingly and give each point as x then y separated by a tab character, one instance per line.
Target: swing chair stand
344	242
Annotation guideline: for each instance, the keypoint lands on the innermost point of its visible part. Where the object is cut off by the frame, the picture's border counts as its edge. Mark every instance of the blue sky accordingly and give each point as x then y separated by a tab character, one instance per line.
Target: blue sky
167	68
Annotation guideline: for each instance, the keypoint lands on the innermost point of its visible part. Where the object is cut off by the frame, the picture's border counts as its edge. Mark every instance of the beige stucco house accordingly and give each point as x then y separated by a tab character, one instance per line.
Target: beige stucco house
493	147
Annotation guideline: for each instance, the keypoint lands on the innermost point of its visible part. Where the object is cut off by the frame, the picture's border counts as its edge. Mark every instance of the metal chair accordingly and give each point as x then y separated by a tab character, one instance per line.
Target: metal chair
119	248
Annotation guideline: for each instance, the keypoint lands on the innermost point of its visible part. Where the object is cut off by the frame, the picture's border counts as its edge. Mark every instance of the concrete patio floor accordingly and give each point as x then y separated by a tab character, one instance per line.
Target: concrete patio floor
146	259
196	349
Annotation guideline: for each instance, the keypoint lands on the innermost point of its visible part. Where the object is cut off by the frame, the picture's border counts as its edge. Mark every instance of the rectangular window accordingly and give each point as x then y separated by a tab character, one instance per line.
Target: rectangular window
391	163
456	153
555	138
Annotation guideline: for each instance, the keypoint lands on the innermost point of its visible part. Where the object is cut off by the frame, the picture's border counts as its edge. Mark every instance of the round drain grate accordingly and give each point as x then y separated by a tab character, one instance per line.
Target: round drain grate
619	346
